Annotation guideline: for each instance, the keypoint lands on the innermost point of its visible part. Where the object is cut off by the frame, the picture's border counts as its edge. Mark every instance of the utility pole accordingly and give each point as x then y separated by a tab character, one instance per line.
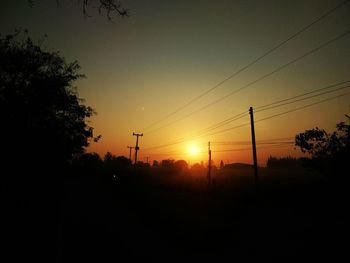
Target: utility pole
130	148
137	145
147	159
209	165
256	178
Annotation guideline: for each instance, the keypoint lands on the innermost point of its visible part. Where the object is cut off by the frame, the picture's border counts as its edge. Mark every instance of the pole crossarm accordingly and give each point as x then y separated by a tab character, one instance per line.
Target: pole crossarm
136	145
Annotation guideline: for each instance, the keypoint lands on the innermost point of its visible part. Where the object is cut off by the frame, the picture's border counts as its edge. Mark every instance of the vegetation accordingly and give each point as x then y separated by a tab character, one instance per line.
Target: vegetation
42	116
43	127
284	162
329	152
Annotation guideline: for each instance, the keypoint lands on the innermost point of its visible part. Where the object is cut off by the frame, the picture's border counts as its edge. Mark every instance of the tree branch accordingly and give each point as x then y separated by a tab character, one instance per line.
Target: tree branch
111	7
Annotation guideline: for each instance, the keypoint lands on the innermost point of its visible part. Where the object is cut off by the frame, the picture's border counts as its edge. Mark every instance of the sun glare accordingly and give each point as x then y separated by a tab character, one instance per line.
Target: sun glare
193	150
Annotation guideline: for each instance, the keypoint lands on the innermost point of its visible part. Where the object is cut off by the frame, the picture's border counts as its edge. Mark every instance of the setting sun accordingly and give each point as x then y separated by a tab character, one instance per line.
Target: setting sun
193	150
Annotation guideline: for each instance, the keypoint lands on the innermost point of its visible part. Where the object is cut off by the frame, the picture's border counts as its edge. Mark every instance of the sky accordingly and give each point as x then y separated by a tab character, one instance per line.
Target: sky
142	70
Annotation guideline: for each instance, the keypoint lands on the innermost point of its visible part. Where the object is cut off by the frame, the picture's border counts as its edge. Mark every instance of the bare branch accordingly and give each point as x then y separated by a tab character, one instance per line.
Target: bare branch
112	8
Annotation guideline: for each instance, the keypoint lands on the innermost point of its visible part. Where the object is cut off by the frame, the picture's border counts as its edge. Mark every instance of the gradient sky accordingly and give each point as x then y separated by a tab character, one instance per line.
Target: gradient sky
142	68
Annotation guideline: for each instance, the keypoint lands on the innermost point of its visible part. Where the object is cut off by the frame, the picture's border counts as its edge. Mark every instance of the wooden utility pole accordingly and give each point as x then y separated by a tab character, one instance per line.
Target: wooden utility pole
256	178
130	148
137	145
209	165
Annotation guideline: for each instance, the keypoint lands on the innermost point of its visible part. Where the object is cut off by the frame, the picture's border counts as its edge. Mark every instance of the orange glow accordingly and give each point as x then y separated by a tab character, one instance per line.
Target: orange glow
193	150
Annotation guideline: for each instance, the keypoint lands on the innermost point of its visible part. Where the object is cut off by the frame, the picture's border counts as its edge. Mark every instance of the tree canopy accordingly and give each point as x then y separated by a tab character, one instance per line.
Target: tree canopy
329	152
40	110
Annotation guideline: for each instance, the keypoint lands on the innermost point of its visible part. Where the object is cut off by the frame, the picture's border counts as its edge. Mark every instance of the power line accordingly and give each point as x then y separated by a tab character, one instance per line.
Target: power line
249	142
298	100
186	139
239	116
162	154
301	95
275	70
229	150
278	103
275	143
276	139
224	122
249	149
166	145
308	53
279	114
249	64
303	107
259	146
246	142
229	129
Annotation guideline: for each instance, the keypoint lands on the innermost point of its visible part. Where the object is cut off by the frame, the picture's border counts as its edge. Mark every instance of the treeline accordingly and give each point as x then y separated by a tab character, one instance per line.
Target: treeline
112	165
285	162
93	163
109	164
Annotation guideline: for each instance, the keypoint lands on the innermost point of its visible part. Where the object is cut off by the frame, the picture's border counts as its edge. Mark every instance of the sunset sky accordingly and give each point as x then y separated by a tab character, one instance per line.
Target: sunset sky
142	71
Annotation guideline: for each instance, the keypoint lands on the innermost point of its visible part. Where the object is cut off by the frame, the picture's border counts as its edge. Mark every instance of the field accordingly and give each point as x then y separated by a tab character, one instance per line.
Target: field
156	217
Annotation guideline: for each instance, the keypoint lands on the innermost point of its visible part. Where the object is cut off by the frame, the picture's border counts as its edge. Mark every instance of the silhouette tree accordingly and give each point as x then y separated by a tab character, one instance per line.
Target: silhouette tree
155	164
88	164
167	163
198	169
116	165
180	166
121	162
284	162
222	164
41	113
111	8
329	152
108	158
43	125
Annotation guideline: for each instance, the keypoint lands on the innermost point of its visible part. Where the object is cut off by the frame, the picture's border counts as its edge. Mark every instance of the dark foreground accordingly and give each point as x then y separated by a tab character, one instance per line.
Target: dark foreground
172	218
